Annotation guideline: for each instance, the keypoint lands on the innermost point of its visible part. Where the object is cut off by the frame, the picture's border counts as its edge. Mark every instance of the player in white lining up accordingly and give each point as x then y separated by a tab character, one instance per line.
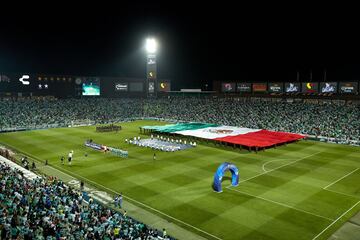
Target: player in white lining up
70	156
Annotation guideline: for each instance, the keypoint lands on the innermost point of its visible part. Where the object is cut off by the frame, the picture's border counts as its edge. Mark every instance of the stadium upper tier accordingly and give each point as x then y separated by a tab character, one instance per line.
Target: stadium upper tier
328	120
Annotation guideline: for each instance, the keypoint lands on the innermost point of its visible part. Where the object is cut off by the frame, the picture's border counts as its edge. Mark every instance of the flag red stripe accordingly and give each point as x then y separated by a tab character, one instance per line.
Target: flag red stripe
262	138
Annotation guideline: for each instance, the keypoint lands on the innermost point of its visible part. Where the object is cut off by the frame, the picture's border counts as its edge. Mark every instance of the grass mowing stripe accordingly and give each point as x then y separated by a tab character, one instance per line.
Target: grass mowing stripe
341	178
345	194
145	205
336	220
71	174
276	160
179	184
281	204
258	175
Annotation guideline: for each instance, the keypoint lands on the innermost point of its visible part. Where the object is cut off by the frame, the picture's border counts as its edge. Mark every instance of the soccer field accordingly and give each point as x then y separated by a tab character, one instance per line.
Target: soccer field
304	190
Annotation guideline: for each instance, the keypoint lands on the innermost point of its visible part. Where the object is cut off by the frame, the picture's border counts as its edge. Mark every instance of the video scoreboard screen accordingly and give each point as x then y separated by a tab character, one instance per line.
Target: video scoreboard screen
91	87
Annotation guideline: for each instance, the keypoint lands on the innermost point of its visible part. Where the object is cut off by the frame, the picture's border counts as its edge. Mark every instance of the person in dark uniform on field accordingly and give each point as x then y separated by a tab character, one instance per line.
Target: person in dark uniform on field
62	160
81	186
154	156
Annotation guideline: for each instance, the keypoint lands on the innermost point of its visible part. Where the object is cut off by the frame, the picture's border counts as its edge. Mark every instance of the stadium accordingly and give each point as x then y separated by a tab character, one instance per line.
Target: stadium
148	156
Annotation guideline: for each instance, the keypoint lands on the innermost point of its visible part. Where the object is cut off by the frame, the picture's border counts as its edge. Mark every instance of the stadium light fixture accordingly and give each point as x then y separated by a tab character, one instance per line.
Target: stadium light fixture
151	45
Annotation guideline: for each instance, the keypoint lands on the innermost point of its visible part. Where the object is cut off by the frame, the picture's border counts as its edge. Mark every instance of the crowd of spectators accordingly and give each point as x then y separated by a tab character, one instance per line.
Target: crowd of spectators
327	120
48	209
32	113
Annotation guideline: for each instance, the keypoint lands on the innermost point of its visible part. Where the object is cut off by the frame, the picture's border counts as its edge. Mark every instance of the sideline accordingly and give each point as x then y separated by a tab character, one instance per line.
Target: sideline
336	220
72	175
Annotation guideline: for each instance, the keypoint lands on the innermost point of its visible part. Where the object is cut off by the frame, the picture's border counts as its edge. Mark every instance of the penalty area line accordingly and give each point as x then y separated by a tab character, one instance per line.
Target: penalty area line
276	160
341	178
344	194
282	204
260	174
336	220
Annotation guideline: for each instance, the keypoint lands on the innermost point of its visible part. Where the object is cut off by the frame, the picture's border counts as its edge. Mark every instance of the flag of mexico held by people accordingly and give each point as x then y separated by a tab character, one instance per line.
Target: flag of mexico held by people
236	135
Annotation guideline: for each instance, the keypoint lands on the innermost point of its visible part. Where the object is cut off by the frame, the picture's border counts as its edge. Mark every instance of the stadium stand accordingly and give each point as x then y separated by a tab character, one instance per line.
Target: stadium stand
332	120
108	128
33	207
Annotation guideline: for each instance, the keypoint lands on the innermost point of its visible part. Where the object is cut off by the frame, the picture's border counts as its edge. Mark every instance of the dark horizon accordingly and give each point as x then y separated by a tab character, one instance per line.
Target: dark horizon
196	47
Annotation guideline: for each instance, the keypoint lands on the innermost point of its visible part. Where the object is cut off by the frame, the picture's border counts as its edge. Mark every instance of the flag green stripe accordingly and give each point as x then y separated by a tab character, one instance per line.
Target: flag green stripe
179	127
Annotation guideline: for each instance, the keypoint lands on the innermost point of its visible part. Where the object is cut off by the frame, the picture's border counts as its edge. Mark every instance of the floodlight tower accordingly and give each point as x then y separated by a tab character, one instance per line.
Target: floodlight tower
151	47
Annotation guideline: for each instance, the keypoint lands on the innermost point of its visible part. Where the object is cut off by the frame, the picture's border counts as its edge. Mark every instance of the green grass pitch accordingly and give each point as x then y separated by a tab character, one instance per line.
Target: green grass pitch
304	190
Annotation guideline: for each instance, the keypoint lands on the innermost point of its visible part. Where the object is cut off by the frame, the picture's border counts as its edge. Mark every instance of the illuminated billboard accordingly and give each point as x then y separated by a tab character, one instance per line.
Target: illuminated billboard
348	87
328	87
259	87
292	87
121	87
228	87
276	87
310	87
164	86
243	87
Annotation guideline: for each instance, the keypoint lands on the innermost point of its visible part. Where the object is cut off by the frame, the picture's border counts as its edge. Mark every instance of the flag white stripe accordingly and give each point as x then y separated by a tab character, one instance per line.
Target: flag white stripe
217	132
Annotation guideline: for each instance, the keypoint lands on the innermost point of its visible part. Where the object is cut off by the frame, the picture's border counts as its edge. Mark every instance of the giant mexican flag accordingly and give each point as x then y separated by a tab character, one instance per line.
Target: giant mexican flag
236	135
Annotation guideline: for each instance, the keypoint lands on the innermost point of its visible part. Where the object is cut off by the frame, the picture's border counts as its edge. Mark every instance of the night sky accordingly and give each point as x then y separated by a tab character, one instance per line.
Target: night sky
197	44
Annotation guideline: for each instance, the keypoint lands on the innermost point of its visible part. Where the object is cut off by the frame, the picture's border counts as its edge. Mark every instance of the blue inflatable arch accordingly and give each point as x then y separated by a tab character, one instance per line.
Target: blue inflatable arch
220	173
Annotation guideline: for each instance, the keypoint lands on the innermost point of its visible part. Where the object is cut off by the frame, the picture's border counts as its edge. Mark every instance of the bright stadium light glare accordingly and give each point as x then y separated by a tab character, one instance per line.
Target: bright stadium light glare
151	45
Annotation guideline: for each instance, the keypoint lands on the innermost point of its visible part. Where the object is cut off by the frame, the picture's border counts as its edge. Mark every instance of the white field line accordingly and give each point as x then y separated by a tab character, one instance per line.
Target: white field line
348	195
63	171
260	174
336	220
140	203
282	204
341	178
276	160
